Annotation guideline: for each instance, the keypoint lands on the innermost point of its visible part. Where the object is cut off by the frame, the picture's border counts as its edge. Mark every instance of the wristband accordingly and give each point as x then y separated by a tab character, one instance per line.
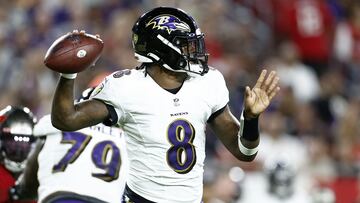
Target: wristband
244	150
70	76
247	151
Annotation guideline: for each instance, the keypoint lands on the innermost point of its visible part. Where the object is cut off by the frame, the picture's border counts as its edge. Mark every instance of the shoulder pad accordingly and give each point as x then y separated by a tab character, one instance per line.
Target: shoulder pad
44	127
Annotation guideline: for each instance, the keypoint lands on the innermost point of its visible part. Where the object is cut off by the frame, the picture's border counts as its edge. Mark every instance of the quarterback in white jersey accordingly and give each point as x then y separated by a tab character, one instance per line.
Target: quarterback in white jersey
164	107
165	131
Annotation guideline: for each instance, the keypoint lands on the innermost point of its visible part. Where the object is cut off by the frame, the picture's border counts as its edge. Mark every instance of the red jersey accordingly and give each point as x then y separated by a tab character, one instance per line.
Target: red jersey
6	182
309	24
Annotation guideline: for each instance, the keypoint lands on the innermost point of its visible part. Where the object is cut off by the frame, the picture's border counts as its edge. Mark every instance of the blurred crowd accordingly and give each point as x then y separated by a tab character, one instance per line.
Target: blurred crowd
310	136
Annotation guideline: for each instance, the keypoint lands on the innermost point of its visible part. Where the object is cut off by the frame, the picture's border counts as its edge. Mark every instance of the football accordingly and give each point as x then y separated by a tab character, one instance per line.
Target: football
73	52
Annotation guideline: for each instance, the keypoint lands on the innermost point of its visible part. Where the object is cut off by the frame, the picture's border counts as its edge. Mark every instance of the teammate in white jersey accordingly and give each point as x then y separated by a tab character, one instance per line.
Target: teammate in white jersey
164	106
88	165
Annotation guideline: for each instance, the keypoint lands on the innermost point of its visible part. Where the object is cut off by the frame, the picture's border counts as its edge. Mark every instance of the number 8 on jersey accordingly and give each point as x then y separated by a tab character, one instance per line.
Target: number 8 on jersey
181	156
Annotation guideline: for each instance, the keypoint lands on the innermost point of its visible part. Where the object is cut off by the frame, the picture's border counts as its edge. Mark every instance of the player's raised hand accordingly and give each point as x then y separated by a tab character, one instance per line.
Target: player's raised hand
259	97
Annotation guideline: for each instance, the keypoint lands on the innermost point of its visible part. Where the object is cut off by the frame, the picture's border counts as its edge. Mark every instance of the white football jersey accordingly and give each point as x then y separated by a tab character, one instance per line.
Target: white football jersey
90	162
165	132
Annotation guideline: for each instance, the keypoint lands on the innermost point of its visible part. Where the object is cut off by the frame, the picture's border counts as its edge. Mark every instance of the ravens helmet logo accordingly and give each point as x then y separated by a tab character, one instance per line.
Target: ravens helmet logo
169	23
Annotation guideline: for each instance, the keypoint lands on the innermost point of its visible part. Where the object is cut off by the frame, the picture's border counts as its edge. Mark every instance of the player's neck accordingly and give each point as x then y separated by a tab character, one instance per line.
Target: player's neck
165	78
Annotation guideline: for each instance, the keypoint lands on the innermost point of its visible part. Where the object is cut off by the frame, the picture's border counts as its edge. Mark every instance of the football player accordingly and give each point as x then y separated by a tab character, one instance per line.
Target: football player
164	106
16	141
85	166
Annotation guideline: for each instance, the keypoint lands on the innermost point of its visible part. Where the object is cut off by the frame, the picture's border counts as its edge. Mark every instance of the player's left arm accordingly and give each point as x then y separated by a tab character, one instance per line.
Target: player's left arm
241	138
27	184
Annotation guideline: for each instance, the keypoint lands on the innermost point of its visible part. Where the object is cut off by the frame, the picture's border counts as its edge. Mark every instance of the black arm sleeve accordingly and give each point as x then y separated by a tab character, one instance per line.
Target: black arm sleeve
251	129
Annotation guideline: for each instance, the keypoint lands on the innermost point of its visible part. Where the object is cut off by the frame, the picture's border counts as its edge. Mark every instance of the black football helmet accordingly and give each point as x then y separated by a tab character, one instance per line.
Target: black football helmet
16	137
170	38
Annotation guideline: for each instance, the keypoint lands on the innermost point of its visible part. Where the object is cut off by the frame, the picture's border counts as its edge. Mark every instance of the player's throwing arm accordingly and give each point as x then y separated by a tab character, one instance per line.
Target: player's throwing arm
68	55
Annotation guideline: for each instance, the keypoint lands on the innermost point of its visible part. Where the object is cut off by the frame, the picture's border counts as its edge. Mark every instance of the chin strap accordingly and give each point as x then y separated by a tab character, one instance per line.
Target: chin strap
14	167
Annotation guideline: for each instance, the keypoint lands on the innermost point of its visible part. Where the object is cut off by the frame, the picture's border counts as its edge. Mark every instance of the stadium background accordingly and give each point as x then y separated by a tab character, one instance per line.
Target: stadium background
311	131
